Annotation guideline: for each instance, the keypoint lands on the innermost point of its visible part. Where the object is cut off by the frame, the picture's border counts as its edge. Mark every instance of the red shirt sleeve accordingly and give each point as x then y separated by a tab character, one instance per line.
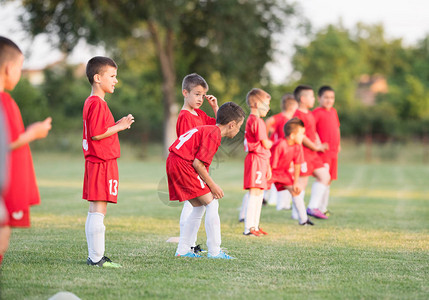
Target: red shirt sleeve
210	141
299	155
259	131
96	119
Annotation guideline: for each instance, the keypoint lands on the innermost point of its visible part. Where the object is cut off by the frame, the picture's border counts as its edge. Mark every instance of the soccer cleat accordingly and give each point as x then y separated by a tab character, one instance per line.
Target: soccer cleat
221	255
308	222
315	212
197	249
240	220
189	254
254	232
104	262
260	231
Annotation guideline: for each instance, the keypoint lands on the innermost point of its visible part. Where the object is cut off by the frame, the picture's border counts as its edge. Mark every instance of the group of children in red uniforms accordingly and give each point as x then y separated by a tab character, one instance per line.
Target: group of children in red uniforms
283	160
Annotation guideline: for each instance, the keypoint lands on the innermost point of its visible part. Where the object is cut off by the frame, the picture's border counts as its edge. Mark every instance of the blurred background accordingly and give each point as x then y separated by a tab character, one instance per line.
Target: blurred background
375	54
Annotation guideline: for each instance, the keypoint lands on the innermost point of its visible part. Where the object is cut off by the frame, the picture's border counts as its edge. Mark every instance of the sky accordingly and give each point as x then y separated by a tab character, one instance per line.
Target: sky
401	19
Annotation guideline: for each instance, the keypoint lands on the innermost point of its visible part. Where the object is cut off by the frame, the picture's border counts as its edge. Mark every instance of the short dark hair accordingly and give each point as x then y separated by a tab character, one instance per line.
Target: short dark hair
8	50
228	112
324	89
287	99
96	65
292	125
299	90
192	80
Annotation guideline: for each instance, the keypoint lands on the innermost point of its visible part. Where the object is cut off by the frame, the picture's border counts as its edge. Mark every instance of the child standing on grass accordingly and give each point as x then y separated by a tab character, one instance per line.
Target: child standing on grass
194	89
20	192
287	151
328	129
101	150
313	165
189	180
275	129
257	169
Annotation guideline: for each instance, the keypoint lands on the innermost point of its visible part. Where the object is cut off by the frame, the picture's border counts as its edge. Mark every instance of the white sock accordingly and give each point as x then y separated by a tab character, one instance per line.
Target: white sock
300	207
95	230
213	228
273	195
295	214
284	199
249	220
243	209
190	230
317	192
325	200
186	211
258	211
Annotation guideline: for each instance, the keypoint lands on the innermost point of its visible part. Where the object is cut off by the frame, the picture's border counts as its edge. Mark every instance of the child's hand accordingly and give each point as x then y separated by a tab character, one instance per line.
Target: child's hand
125	122
296	189
216	191
39	130
269	173
323	147
211	100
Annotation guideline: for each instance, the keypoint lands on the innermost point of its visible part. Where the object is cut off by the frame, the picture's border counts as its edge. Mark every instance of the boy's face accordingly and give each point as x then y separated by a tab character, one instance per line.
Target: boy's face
195	97
298	135
307	98
107	79
234	128
292	107
327	100
263	104
13	72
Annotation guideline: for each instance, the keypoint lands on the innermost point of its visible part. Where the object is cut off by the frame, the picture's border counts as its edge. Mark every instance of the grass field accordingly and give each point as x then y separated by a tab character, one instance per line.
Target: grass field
375	245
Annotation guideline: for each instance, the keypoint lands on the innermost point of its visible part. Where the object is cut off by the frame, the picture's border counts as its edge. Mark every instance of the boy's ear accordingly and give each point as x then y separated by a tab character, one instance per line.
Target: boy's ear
185	93
97	78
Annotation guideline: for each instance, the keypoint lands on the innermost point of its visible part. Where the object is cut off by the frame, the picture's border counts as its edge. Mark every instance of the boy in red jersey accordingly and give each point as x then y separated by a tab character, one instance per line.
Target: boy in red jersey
194	89
101	149
257	169
189	180
313	165
285	152
21	190
328	129
275	129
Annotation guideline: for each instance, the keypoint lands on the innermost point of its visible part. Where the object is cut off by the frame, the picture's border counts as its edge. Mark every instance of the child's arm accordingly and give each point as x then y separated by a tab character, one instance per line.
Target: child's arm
35	131
270	125
204	175
297	171
315	147
213	103
122	124
267	144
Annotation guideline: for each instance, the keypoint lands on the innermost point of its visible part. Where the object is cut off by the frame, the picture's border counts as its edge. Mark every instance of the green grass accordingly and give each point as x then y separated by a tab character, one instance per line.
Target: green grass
376	244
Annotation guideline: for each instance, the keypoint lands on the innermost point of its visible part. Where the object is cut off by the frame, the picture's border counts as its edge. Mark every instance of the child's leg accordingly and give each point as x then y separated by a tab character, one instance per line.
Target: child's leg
212	224
190	229
319	187
324	205
284	199
273	200
298	200
95	230
255	196
186	211
4	240
259	210
243	208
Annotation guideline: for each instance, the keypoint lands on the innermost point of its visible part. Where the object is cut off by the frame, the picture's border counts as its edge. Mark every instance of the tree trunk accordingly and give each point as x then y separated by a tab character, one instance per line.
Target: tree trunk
165	55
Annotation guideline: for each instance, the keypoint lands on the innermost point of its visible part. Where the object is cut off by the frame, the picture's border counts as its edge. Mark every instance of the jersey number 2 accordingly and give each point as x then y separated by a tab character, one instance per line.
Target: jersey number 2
259	177
113	187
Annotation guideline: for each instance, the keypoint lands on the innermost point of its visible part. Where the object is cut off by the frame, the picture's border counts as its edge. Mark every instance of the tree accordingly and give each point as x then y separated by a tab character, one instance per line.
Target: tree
230	37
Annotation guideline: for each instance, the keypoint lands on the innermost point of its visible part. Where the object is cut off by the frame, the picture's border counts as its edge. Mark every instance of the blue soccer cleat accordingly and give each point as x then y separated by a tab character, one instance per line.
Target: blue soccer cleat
189	254
221	255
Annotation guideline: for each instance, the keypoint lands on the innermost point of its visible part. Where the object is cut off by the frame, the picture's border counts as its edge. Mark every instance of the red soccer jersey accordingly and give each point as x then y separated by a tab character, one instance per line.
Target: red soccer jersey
97	118
256	131
186	121
282	155
328	127
309	123
21	191
201	142
279	132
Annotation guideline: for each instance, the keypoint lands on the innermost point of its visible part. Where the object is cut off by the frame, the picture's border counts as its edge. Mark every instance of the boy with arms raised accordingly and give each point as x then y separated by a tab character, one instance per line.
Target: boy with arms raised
189	180
285	151
275	126
20	192
194	89
328	129
257	169
101	150
313	165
